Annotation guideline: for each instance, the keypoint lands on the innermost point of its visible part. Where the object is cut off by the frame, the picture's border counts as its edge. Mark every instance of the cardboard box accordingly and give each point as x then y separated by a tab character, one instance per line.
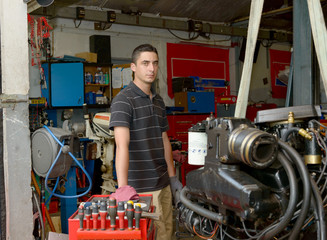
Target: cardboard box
88	56
181	100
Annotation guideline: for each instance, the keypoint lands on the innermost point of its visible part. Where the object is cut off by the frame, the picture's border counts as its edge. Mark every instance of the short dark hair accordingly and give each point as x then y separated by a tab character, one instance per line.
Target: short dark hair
142	48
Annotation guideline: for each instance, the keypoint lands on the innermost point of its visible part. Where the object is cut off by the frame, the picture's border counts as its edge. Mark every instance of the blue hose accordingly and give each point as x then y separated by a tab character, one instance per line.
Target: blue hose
54	163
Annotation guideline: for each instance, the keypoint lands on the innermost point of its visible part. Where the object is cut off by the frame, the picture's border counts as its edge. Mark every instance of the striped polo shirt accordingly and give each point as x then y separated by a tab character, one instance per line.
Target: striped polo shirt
146	120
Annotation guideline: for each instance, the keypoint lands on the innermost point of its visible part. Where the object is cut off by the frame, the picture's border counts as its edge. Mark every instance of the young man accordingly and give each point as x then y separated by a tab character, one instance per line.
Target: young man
143	150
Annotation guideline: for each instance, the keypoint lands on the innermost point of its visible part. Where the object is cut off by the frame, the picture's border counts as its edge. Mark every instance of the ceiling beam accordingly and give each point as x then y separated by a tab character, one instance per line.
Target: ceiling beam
164	23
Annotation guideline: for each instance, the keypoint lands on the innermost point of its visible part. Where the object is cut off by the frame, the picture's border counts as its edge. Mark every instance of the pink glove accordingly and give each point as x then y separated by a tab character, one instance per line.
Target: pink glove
125	193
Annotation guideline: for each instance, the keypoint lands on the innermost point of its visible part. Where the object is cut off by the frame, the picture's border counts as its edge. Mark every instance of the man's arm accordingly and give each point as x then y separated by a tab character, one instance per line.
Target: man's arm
122	137
168	155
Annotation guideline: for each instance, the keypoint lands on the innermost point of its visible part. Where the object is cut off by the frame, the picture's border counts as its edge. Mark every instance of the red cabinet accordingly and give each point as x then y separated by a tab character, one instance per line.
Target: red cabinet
179	123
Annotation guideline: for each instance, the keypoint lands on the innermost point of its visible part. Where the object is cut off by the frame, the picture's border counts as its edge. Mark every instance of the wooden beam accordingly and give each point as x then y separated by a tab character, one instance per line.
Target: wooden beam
319	34
253	29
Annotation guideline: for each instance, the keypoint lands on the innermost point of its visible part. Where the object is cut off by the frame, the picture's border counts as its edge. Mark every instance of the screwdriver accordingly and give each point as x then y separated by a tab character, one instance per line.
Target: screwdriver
138	212
95	215
88	217
130	214
81	217
121	214
103	214
112	212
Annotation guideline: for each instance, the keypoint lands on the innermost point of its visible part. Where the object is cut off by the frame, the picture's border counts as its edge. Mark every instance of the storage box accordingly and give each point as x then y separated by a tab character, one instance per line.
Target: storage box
146	231
88	56
196	102
201	102
181	100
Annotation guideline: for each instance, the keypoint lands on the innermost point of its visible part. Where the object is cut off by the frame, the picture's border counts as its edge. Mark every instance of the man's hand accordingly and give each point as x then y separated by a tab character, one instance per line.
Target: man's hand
176	186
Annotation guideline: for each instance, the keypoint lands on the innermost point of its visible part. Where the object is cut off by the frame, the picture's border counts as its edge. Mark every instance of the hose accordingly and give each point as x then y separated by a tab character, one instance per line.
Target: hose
196	208
320	211
304	174
54	163
293	198
288	132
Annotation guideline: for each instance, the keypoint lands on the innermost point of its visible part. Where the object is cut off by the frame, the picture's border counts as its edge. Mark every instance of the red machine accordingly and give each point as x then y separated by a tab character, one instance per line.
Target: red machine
81	226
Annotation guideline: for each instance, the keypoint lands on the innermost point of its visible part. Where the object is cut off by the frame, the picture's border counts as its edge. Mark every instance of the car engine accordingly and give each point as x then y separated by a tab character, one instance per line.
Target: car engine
262	180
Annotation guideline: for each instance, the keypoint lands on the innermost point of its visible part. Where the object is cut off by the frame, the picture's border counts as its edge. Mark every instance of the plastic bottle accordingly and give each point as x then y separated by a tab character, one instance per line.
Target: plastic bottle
211	117
106	78
96	78
88	78
101	76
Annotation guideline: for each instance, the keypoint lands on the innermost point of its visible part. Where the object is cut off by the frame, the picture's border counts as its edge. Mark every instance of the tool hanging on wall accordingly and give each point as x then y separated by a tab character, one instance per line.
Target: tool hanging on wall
40	41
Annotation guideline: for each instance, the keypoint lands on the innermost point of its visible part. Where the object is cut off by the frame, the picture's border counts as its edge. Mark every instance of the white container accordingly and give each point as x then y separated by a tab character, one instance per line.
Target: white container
197	147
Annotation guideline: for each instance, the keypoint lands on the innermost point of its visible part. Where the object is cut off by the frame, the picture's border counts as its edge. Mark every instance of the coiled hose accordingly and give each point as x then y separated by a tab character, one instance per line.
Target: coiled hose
54	163
293	198
304	174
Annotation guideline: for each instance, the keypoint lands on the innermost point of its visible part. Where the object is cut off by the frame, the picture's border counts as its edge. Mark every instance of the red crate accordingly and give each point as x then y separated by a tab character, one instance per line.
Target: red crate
146	231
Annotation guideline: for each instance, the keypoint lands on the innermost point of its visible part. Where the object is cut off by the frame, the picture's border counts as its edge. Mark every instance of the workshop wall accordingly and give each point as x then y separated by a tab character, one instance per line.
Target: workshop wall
260	89
66	39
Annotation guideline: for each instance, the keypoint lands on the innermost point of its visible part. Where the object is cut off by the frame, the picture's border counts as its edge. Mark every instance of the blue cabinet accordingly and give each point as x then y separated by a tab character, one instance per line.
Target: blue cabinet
64	84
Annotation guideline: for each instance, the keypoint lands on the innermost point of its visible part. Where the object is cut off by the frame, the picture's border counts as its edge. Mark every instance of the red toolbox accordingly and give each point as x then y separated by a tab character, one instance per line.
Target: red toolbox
146	230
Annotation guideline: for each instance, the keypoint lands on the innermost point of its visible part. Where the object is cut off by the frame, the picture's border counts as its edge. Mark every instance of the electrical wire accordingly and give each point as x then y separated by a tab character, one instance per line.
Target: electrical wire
77	25
39	209
54	163
246	231
55	187
184	39
203	237
320	211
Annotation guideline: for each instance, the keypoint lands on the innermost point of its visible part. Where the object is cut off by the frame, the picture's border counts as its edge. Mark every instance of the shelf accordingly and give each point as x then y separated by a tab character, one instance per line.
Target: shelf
97	85
98	105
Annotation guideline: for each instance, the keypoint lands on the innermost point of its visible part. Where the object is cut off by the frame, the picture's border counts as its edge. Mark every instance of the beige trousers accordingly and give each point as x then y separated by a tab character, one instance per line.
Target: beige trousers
162	200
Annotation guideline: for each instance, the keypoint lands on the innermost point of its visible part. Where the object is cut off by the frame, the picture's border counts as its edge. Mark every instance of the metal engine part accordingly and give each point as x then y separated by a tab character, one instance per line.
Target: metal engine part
255	186
231	142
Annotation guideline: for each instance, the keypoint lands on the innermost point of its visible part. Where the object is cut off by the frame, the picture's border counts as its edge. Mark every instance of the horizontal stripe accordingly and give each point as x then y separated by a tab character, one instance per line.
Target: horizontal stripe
146	179
147	120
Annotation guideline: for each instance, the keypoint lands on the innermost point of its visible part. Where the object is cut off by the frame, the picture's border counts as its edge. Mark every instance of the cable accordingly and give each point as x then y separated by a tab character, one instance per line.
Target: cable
210	237
320	213
77	25
54	163
293	198
321	125
303	171
246	231
55	187
184	39
39	209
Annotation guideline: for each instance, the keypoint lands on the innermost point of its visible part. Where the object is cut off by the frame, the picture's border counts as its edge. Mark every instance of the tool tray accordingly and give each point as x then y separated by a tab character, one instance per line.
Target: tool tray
145	232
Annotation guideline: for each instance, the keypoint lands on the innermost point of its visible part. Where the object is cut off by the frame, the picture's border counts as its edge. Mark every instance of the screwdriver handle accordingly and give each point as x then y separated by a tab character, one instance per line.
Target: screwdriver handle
95	215
81	217
121	215
137	214
103	214
112	212
88	217
130	214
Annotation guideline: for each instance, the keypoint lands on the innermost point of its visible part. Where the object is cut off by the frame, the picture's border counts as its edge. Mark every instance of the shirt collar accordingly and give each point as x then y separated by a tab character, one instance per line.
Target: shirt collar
137	90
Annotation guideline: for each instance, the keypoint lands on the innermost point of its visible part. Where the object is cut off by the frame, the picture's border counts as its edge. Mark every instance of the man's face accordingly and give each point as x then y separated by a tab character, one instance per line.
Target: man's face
146	67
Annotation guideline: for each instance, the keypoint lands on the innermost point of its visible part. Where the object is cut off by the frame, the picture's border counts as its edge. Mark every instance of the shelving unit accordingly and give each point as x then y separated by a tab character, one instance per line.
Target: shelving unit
105	88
